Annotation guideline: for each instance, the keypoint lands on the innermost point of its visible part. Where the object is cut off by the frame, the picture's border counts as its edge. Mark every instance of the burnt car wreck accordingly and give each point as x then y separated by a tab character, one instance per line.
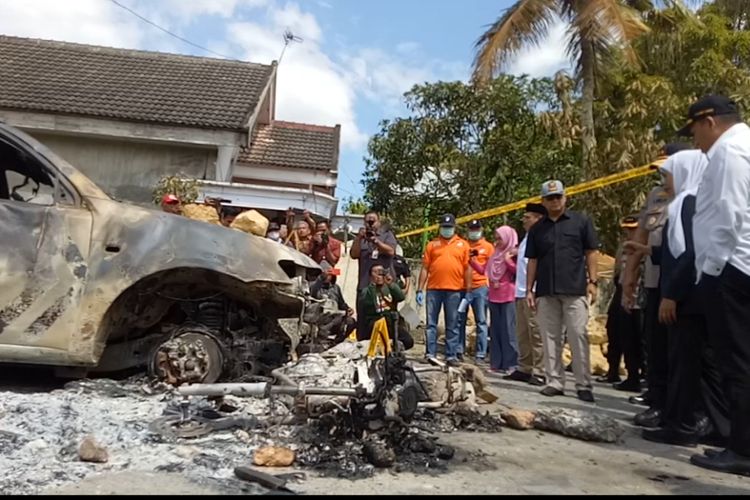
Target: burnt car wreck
89	284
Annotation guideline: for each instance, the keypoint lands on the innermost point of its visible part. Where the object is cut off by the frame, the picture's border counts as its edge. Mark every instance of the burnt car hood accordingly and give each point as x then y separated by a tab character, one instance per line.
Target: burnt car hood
141	241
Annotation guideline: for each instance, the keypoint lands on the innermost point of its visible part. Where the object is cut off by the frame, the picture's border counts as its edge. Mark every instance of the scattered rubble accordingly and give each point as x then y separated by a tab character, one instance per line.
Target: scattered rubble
273	456
578	424
91	451
150	427
519	419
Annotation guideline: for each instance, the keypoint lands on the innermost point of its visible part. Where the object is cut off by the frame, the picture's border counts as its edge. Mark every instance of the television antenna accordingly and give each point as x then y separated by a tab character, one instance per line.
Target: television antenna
289	38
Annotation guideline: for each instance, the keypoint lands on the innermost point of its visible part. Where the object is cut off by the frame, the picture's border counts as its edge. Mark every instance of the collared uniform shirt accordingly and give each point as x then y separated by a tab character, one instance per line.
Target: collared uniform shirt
560	249
484	249
652	218
721	226
446	262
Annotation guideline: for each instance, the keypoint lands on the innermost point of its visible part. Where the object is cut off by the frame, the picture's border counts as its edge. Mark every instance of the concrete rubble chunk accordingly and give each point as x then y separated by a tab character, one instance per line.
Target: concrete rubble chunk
519	419
579	425
91	451
273	456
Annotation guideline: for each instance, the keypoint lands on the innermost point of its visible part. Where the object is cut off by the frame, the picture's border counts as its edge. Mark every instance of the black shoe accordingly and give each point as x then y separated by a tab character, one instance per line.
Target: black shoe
460	357
569	368
609	379
518	376
726	461
642	400
712	452
670	436
453	363
628	386
537	381
586	396
650	418
551	391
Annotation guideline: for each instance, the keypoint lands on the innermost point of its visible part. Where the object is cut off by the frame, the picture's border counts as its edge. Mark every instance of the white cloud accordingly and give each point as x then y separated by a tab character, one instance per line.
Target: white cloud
310	86
546	59
313	86
82	21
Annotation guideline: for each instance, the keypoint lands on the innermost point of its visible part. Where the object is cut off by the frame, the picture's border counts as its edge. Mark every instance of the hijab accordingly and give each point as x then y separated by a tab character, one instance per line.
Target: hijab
687	168
506	239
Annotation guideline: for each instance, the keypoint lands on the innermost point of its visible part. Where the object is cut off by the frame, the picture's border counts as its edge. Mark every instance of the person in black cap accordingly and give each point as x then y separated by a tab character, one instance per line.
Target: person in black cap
479	250
530	345
447	275
721	228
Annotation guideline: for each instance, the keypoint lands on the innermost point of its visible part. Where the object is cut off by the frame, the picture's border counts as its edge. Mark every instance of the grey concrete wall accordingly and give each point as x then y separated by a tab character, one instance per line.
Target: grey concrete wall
130	170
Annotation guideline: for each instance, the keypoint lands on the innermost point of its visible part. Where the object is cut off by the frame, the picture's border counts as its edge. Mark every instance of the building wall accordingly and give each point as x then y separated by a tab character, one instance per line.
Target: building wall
129	170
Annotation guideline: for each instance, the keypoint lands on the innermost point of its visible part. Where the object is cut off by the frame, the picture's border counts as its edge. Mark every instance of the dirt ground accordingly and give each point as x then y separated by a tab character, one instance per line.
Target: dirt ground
509	462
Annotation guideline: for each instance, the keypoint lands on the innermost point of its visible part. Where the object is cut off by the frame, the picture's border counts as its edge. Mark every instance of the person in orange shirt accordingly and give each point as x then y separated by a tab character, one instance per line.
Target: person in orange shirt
480	250
447	275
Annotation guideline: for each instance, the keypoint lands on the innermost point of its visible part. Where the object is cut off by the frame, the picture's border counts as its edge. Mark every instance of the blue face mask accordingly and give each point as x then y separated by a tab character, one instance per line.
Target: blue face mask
447	232
475	235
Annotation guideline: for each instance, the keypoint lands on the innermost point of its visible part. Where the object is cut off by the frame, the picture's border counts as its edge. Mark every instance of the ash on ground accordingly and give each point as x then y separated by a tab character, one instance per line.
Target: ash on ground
40	434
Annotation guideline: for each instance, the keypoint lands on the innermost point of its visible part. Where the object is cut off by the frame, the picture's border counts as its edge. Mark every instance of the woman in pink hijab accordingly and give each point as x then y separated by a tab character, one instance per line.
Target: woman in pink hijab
501	273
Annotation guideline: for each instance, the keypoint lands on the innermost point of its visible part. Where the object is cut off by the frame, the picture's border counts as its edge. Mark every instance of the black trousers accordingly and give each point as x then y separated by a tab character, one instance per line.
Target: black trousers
657	345
614	339
729	325
694	384
624	337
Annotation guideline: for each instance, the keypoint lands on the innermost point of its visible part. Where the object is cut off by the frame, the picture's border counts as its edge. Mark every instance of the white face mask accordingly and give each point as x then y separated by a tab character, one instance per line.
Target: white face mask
447	232
274	235
475	235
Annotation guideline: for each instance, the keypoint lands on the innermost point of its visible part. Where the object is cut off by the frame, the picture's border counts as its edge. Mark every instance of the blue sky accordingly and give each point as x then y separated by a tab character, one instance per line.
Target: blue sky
356	60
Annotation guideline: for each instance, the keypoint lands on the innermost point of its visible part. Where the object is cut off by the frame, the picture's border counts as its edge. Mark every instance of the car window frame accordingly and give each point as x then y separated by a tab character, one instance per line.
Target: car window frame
59	181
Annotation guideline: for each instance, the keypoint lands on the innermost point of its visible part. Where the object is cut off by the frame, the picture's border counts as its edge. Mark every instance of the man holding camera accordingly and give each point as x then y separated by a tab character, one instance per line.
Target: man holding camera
325	247
373	245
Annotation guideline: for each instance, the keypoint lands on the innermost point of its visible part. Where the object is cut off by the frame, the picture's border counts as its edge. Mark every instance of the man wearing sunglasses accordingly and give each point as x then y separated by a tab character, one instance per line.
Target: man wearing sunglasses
561	249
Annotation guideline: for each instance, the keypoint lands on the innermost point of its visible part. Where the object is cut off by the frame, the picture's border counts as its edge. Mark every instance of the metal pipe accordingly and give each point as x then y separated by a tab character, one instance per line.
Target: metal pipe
263	389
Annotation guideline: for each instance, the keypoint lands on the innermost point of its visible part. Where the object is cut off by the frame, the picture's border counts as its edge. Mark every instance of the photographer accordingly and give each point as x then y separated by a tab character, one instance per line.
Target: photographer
373	245
325	247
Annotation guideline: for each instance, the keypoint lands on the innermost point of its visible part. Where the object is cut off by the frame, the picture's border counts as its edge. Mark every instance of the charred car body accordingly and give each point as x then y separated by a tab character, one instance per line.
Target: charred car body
95	284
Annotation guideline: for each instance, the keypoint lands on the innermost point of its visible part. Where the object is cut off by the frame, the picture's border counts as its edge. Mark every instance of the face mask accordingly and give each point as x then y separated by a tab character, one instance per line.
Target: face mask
475	235
274	235
447	232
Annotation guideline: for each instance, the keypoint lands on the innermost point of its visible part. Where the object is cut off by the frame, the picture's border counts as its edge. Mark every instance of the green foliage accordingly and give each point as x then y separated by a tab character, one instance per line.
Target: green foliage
355	207
463	149
185	189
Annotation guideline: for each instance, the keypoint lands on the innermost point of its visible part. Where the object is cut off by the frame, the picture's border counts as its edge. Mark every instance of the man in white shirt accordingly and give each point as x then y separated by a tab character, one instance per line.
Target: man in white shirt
722	256
530	346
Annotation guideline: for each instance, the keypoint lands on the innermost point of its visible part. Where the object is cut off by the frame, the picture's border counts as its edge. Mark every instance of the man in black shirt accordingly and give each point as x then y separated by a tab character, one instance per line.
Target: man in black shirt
561	249
373	245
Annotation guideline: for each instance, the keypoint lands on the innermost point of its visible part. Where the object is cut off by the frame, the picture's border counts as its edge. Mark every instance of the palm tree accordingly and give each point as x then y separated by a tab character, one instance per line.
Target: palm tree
594	27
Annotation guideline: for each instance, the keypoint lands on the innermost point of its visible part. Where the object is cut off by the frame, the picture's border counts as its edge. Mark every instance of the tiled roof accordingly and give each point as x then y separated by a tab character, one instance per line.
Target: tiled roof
131	85
297	145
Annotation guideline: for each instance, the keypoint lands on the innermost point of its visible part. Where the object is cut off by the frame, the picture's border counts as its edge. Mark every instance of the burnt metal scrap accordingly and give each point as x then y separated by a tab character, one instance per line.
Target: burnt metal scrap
99	285
357	411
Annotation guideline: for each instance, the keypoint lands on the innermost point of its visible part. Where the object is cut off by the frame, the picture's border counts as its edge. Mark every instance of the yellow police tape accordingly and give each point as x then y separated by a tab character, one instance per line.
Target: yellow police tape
599	183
